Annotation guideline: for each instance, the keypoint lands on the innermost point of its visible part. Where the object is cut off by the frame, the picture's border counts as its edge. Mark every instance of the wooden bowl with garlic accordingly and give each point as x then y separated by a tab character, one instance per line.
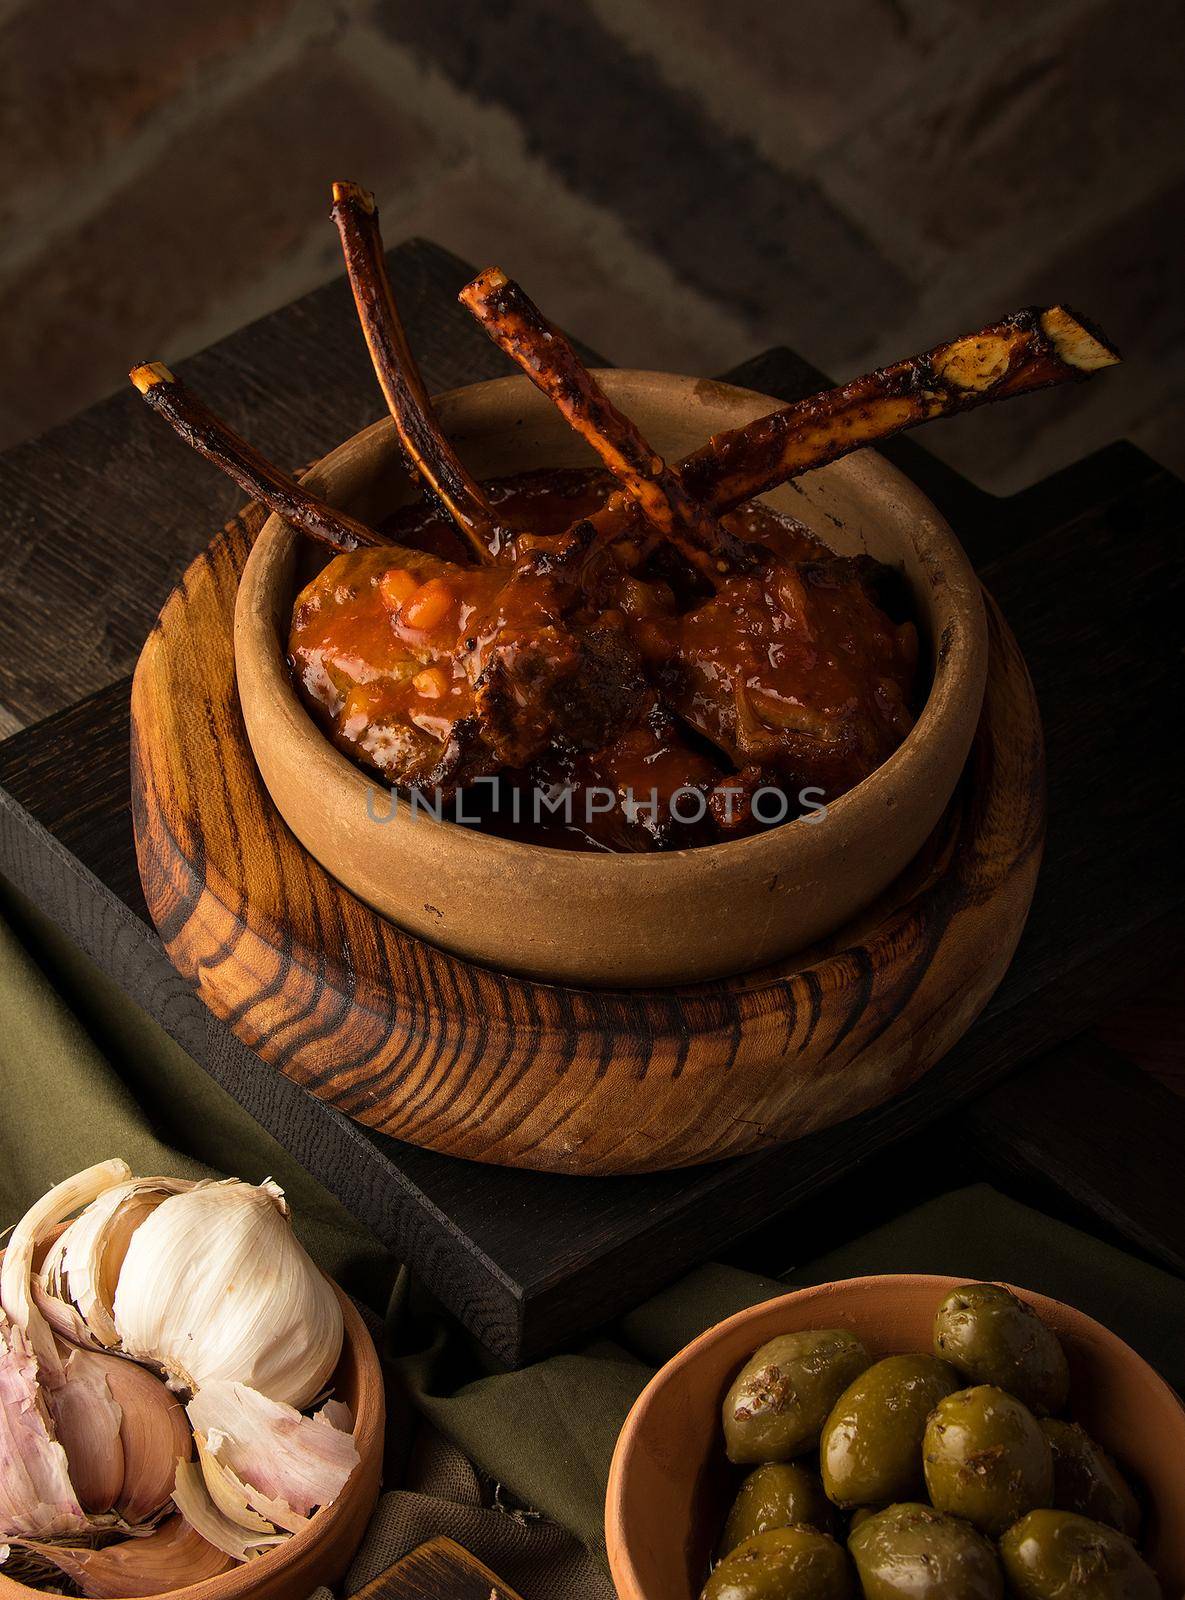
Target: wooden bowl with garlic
189	1406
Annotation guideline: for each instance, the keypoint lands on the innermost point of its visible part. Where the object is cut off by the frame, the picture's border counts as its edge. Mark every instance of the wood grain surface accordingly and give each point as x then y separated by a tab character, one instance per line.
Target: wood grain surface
474	1063
1086	1126
439	1570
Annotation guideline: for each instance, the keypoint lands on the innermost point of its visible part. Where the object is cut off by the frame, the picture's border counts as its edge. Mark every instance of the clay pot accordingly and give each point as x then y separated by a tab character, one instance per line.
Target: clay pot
593	919
669	1484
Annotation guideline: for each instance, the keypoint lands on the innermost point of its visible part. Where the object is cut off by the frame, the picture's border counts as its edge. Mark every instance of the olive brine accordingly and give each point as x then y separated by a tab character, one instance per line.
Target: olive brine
948	1476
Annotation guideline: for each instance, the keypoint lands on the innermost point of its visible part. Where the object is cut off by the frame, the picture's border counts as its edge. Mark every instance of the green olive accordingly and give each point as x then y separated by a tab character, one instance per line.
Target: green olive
1086	1480
1049	1555
992	1337
783	1564
776	1408
916	1551
986	1458
777	1495
871	1449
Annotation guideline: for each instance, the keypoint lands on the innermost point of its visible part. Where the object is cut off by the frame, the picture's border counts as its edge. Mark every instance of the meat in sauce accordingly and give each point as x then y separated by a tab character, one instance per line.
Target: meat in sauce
672	703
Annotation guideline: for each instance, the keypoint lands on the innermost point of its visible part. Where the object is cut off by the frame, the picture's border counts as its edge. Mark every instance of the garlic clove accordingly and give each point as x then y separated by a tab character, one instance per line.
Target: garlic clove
16	1293
215	1285
169	1558
36	1494
97	1242
271	1448
197	1506
87	1421
51	1299
123	1433
155	1434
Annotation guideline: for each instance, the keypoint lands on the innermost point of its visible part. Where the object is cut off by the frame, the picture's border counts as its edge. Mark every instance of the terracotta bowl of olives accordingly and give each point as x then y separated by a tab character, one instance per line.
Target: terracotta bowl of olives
901	1436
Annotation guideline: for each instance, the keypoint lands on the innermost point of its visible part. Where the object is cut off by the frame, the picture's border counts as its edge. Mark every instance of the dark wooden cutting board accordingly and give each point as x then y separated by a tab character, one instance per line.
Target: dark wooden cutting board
1087	569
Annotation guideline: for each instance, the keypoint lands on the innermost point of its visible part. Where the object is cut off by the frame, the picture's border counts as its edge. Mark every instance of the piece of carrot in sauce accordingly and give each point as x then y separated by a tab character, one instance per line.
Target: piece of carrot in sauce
429	606
397	586
356	709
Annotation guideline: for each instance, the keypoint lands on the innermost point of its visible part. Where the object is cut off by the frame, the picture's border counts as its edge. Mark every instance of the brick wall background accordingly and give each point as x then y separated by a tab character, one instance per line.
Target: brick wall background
680	181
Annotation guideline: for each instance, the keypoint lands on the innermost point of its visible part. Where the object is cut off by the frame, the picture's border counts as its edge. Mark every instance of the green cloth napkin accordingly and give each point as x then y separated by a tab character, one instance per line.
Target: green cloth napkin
86	1076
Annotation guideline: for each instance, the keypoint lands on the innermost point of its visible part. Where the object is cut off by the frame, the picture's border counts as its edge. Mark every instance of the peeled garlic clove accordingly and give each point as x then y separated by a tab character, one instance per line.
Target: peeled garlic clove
170	1558
197	1506
36	1494
154	1432
16	1293
215	1285
87	1422
271	1448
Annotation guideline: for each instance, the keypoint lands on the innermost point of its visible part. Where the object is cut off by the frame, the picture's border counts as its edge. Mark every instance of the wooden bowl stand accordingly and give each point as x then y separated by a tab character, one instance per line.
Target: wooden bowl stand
474	1063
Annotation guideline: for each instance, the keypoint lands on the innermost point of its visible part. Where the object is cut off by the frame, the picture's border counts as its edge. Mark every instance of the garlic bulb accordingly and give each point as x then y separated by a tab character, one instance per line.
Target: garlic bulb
81	1269
215	1285
110	1281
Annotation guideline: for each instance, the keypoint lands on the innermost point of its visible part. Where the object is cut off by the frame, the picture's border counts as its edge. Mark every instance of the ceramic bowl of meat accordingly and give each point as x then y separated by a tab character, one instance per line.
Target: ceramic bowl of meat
619	919
670	1485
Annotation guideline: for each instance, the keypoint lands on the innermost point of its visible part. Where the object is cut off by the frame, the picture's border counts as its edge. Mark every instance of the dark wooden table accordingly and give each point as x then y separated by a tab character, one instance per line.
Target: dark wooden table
100	517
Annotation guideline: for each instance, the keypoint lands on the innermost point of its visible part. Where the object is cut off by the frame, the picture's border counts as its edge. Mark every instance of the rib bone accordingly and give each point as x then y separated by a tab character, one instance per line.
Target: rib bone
206	433
1029	350
427	449
518	328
